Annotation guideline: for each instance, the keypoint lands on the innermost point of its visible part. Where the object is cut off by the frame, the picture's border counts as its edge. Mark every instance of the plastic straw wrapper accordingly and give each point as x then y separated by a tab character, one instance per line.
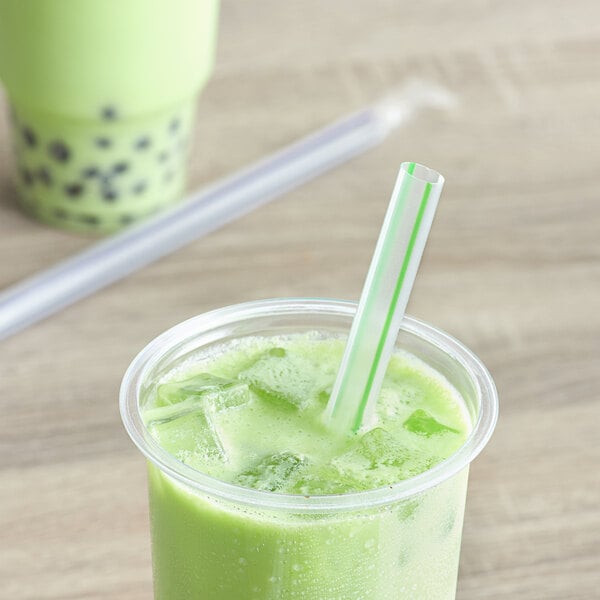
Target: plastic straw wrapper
384	297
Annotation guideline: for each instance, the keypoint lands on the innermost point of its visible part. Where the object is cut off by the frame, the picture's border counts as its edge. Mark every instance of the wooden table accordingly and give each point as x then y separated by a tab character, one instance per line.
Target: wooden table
512	269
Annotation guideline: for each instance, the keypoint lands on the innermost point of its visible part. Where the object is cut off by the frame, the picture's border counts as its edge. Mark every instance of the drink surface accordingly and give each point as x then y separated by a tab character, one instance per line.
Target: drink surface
251	413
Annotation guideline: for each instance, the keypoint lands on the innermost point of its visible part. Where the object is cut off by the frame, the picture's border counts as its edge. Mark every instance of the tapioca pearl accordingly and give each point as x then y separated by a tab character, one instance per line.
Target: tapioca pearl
143	143
163	156
44	176
109	195
120	168
89	219
29	137
126	219
107	182
168	176
174	125
27	177
109	113
90	172
139	188
59	151
60	213
74	190
103	142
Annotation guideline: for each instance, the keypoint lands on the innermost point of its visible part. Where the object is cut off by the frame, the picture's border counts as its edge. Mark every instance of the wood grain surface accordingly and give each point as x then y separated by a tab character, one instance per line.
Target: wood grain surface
512	269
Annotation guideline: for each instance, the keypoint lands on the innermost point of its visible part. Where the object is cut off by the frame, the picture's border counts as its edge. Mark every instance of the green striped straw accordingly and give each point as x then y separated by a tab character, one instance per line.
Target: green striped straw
384	297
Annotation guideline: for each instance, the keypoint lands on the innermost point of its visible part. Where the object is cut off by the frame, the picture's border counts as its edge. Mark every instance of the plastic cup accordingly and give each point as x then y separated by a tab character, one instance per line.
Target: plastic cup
217	541
102	96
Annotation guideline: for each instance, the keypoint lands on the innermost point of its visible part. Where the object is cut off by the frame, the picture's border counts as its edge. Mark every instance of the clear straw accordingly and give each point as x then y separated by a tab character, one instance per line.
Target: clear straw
210	208
384	297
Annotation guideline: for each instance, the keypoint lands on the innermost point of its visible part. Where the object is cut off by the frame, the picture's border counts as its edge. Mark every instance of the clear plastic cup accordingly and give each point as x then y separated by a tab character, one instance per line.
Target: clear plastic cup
217	541
102	96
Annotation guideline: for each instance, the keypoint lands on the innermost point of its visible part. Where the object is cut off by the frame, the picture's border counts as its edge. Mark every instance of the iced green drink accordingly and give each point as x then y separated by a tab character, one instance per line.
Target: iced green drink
251	494
102	96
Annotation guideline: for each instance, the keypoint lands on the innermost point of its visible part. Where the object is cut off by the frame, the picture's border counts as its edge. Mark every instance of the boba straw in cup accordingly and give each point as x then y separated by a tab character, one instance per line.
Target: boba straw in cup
102	96
385	295
256	491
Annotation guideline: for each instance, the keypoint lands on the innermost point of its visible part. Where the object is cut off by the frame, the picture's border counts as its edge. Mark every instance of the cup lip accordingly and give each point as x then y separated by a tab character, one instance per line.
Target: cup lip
200	482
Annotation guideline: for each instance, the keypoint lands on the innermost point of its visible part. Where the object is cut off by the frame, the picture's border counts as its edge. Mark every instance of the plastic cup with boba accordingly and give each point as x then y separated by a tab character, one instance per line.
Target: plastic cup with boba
102	99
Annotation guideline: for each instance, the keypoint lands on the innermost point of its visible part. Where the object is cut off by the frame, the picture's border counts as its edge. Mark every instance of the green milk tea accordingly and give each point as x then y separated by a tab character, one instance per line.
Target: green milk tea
102	96
252	415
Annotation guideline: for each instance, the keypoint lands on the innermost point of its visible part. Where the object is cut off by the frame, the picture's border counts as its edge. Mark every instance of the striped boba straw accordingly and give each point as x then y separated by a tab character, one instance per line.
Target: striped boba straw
384	297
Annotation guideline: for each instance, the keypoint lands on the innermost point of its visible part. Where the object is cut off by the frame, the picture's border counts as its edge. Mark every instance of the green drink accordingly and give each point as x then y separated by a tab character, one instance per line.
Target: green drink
252	496
102	97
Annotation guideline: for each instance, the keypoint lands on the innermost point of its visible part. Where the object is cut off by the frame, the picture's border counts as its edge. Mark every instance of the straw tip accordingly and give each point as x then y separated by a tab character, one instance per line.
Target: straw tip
422	173
402	102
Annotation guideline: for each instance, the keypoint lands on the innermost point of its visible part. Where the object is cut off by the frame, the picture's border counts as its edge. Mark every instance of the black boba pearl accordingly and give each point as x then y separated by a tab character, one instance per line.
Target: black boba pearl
43	174
139	188
163	156
89	219
27	177
90	172
143	143
106	181
127	219
169	176
120	167
74	190
174	125
109	113
59	151
29	136
60	213
109	195
103	142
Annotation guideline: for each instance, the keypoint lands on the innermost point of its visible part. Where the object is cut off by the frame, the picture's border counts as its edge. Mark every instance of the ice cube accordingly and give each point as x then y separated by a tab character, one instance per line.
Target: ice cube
189	434
378	459
284	378
203	389
393	459
422	423
165	413
198	385
231	397
326	480
272	472
380	448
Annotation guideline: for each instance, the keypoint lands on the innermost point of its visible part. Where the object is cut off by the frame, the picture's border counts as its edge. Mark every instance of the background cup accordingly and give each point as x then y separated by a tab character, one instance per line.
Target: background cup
225	542
102	96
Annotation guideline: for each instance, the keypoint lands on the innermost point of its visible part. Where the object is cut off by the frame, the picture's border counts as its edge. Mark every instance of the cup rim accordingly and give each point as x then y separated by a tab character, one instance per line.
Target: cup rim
198	481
